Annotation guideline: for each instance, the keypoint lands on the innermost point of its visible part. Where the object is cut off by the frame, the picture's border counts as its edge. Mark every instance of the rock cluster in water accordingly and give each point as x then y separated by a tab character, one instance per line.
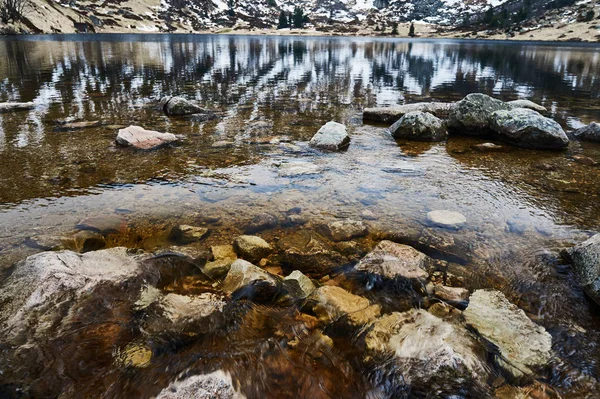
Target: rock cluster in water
518	122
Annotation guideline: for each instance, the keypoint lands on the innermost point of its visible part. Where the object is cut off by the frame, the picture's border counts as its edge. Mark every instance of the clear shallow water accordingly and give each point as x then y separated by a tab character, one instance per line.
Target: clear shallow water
50	179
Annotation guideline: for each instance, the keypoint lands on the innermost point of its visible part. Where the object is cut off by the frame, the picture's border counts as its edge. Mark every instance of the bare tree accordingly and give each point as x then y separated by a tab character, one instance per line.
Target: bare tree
13	10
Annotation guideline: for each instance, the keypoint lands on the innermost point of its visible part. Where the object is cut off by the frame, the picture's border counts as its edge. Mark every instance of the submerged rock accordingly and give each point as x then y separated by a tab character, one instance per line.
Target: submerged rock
455	296
217	385
590	132
332	136
335	304
344	230
391	261
528	128
179	106
446	219
262	222
104	224
186	234
424	345
70	126
223	257
252	248
392	114
140	138
245	280
585	258
471	114
6	107
42	287
527	104
305	251
419	126
489	147
523	345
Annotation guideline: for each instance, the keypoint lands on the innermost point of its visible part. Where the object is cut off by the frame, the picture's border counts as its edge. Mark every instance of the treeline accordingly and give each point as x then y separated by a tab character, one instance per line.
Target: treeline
297	19
514	12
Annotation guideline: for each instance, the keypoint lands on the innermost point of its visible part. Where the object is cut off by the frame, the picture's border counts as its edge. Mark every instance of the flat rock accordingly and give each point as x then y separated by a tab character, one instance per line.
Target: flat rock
585	259
527	104
217	385
446	219
470	116
590	132
187	234
392	114
528	128
306	251
489	147
252	248
291	169
6	107
522	343
344	230
78	125
331	304
419	126
332	136
138	137
391	261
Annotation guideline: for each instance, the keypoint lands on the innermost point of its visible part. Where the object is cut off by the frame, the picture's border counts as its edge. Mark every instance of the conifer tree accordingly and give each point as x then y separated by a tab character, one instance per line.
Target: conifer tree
411	30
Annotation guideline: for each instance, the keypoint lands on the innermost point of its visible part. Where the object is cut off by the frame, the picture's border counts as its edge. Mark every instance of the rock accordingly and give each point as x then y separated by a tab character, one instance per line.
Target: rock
590	132
300	284
140	138
46	242
392	114
527	104
181	314
333	304
419	126
187	234
262	222
522	344
332	136
252	248
223	257
585	259
584	160
344	230
425	348
471	114
391	261
41	286
489	147
217	385
87	240
291	169
223	144
307	252
135	355
528	128
179	106
455	296
446	219
6	107
245	280
78	125
104	224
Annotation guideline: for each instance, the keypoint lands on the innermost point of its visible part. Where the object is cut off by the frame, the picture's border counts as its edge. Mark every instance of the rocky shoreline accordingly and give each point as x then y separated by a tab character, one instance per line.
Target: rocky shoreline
388	306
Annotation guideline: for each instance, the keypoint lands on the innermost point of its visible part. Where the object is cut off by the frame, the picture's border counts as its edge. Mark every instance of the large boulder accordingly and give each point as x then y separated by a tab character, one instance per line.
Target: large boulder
522	344
179	106
528	128
332	136
43	287
419	126
140	138
590	132
217	385
471	114
424	347
307	252
392	114
389	260
527	104
585	258
334	304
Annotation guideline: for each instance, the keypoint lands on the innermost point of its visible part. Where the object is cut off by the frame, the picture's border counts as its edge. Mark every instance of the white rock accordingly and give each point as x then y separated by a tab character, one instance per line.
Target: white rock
138	137
217	385
332	136
447	219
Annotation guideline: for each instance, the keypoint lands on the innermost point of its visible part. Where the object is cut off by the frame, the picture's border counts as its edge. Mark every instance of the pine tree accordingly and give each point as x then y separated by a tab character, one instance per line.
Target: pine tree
377	29
290	20
411	30
283	21
299	18
272	3
395	29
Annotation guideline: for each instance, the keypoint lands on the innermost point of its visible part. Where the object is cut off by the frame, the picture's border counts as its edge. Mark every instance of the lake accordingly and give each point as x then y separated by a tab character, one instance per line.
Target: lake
270	95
